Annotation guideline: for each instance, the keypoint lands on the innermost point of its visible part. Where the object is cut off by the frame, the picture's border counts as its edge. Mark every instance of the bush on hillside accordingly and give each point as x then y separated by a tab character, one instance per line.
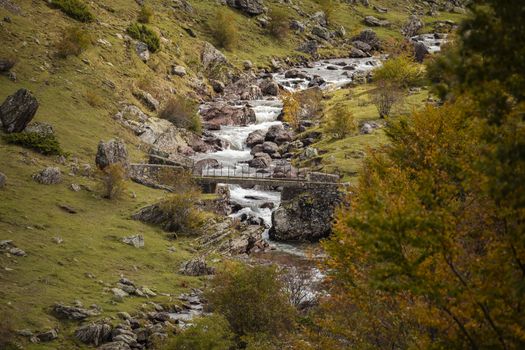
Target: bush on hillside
279	25
252	300
180	206
210	332
402	71
340	122
113	181
145	14
74	41
76	9
224	30
143	33
183	113
46	144
385	96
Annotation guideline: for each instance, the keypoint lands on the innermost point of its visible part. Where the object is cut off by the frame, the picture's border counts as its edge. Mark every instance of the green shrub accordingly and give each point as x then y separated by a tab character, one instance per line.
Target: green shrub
113	181
74	41
149	37
183	113
209	333
401	71
340	122
76	9
279	25
252	300
145	14
224	30
45	144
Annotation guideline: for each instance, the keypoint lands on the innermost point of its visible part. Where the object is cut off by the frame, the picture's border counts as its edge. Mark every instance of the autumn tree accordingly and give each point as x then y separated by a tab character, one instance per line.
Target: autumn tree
291	109
340	122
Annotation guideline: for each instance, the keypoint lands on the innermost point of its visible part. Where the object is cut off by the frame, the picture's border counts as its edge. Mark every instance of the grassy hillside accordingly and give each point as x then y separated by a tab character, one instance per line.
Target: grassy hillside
79	96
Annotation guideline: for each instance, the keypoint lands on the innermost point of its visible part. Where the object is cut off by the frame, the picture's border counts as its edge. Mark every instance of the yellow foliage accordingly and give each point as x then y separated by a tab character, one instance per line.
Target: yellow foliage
291	110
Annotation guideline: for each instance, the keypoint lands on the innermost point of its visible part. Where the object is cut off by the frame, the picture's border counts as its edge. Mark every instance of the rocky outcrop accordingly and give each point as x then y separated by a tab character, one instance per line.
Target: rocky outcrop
412	27
269	87
250	7
369	37
76	313
376	22
136	241
305	215
112	152
48	176
211	57
17	111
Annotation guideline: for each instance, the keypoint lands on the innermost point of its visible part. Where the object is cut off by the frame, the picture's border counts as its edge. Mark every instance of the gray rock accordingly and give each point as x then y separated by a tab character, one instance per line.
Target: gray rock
50	335
298	26
18	110
412	27
252	92
376	22
136	240
321	32
48	176
366	129
65	312
260	161
356	53
254	138
320	18
309	47
218	86
3	180
94	333
295	74
420	51
361	45
248	65
316	81
203	164
370	37
43	129
270	147
250	7
196	267
112	152
178	70
277	134
269	87
142	51
211	57
6	64
147	100
119	293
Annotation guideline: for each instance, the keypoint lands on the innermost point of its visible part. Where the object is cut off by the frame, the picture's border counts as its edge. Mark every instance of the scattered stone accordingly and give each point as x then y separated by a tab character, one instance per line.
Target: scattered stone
412	27
6	64
178	70
115	345
67	208
48	176
94	333
196	267
9	247
321	32
119	293
73	312
142	51
17	111
269	87
375	22
111	152
124	315
47	336
309	47
297	26
356	53
75	187
250	7
3	180
136	240
218	86
58	240
149	101
211	57
248	65
370	37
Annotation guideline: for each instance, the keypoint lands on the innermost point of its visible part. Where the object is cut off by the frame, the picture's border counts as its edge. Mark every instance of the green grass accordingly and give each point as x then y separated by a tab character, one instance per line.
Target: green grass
344	156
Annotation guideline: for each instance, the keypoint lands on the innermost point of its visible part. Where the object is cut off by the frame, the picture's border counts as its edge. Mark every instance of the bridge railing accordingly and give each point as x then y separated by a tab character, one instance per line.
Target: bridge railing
243	170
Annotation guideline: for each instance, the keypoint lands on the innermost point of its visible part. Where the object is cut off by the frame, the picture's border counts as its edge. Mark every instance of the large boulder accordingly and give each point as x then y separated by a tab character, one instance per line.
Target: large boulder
112	152
48	176
212	57
321	32
269	87
250	7
420	51
17	111
255	137
376	22
260	161
412	27
370	37
305	216
277	134
76	313
356	53
220	113
94	333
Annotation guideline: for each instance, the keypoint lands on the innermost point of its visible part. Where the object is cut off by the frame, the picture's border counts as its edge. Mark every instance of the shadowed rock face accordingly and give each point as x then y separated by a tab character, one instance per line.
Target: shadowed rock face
111	152
18	110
